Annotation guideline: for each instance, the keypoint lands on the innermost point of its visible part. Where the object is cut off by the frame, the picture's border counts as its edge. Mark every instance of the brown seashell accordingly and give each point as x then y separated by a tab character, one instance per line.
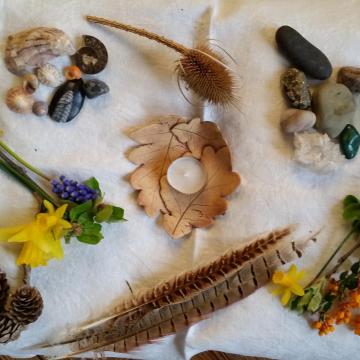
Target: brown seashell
19	100
35	47
40	108
30	83
93	57
49	75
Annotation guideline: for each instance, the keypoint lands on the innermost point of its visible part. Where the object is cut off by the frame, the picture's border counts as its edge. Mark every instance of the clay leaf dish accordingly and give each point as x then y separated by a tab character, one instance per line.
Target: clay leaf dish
159	148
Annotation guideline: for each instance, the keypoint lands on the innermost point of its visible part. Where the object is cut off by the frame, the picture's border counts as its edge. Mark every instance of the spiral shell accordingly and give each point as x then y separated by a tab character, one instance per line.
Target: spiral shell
30	83
49	75
19	100
40	108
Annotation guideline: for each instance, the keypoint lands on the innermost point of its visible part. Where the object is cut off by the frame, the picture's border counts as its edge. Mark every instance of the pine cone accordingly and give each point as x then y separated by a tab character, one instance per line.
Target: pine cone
9	329
4	290
26	305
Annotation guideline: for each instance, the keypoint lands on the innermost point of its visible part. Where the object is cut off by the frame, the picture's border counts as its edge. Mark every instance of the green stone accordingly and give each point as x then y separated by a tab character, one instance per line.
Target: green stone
349	141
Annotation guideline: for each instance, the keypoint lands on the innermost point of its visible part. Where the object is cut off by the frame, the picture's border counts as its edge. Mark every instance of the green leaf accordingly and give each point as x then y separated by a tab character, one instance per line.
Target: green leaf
104	213
315	302
90	239
117	214
352	212
91	229
352	282
350	199
92	183
355	267
80	209
343	275
85	218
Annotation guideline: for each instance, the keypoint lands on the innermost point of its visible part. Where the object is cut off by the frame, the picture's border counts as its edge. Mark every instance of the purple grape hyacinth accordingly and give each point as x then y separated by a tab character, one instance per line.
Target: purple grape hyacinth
73	191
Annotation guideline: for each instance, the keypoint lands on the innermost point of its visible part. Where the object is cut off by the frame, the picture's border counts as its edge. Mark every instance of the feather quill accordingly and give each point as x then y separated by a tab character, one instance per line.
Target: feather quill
188	298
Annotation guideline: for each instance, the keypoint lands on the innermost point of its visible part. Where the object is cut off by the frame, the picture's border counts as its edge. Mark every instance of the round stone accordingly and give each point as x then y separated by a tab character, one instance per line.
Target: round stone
296	88
294	120
335	107
302	53
350	77
40	108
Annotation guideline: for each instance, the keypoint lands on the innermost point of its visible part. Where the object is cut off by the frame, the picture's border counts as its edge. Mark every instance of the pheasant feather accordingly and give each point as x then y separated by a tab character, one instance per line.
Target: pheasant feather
188	298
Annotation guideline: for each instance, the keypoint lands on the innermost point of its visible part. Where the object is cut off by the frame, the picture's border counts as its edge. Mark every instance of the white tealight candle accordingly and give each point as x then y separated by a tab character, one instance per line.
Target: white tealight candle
186	175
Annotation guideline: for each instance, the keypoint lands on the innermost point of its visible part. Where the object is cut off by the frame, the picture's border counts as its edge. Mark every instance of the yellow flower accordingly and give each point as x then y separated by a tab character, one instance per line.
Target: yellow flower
288	283
41	238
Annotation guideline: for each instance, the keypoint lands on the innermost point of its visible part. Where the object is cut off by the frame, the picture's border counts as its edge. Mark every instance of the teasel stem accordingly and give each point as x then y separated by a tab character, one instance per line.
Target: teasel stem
22	161
141	32
17	172
347	237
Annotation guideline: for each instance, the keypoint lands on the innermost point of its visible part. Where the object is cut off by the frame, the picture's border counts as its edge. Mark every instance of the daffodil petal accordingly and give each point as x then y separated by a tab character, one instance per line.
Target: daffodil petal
286	297
277	291
49	207
297	289
60	212
22	236
31	255
6	233
65	224
292	271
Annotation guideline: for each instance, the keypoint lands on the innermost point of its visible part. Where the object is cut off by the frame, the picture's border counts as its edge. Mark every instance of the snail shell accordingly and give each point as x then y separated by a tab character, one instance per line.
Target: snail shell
19	100
93	57
67	101
35	47
40	108
30	83
49	75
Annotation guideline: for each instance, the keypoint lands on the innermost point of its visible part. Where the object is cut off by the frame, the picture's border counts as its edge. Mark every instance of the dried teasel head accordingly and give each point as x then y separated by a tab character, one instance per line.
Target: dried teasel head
205	72
202	69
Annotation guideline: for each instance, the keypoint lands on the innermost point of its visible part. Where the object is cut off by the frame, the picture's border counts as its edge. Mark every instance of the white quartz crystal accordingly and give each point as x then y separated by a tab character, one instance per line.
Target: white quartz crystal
317	151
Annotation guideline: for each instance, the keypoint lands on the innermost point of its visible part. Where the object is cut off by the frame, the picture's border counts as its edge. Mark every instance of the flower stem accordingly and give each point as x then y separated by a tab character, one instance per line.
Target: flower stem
7	165
22	161
347	237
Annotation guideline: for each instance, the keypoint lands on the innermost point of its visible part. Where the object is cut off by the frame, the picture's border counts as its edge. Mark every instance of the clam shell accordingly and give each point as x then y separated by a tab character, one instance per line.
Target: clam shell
19	100
35	47
49	75
67	101
93	57
30	83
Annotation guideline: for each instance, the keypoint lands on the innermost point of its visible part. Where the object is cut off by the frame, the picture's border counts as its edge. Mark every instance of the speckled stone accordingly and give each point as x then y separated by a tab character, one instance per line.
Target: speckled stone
302	53
350	77
335	107
294	120
296	88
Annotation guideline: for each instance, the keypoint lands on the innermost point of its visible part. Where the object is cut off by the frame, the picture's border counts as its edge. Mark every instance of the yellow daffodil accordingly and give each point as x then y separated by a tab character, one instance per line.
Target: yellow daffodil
288	283
41	238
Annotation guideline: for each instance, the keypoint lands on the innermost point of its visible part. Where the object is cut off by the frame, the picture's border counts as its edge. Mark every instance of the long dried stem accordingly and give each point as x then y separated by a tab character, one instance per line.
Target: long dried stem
142	32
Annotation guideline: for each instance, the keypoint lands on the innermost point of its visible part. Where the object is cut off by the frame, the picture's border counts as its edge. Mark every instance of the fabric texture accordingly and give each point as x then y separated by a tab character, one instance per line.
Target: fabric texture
274	190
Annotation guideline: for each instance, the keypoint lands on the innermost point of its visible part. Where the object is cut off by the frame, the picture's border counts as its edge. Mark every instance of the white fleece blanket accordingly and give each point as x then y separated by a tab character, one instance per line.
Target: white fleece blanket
274	191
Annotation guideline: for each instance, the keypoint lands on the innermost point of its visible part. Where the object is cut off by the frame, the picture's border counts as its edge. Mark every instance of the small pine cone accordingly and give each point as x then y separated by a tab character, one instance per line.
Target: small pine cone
4	290
9	329
26	305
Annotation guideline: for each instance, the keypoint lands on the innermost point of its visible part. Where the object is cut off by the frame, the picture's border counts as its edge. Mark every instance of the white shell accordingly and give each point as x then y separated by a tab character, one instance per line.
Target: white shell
35	47
317	151
49	75
30	83
19	100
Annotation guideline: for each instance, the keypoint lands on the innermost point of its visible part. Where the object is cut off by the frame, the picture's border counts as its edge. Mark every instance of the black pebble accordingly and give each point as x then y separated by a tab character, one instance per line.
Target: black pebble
302	53
67	101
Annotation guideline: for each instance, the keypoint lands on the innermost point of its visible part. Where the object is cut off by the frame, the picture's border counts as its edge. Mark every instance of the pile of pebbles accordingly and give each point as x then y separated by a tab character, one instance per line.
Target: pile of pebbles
322	118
